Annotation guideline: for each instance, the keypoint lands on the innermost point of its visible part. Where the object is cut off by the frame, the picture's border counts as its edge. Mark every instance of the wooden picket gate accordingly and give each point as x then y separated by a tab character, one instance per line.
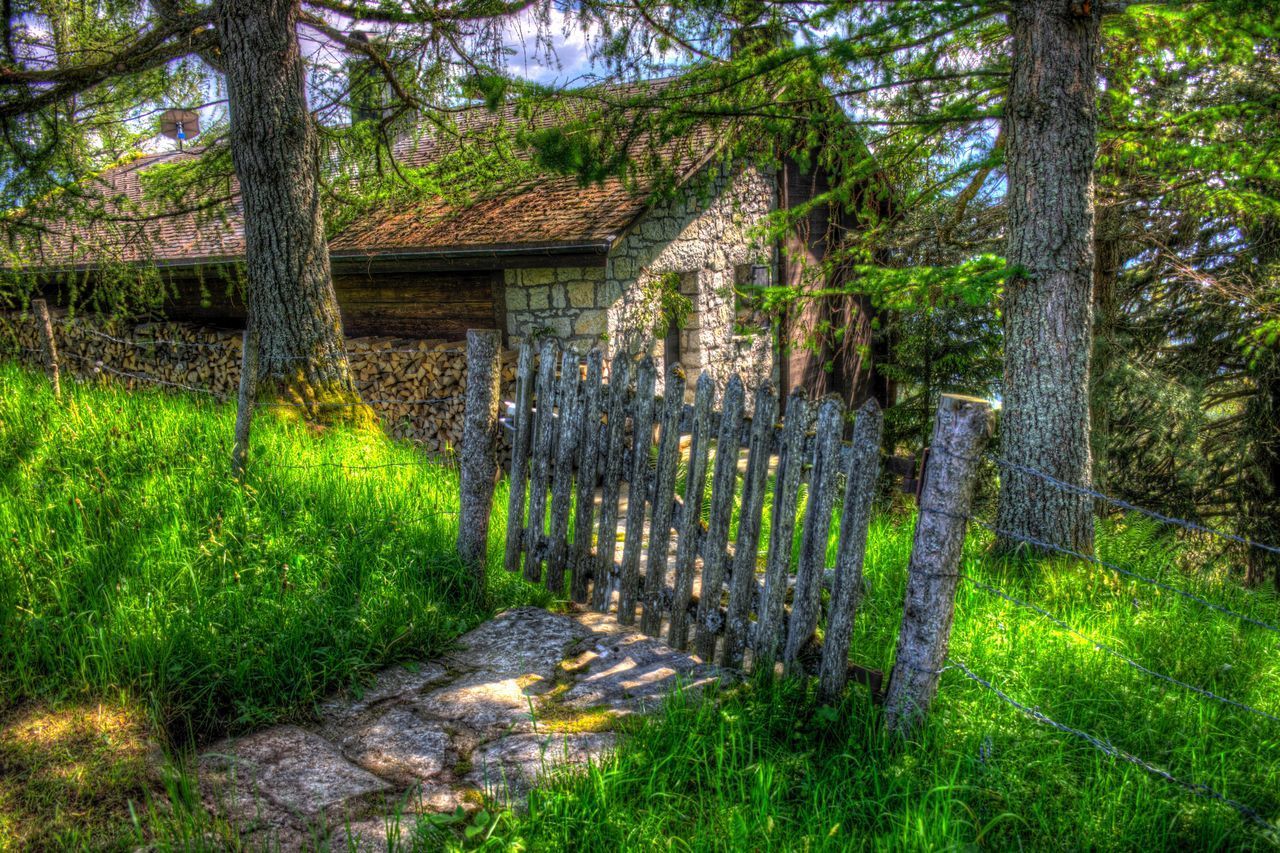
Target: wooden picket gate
583	443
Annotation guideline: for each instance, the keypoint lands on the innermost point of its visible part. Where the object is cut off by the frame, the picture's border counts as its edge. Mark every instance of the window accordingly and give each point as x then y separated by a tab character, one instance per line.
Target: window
681	340
749	284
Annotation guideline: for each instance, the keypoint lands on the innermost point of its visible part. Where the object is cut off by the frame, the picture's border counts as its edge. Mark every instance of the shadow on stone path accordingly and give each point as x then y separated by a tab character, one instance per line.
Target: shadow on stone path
527	691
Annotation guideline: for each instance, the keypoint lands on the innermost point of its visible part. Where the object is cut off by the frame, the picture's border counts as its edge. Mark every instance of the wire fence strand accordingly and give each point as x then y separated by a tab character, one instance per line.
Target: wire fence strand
1196	788
1085	491
1102	647
424	463
385	402
1190	596
143	343
99	365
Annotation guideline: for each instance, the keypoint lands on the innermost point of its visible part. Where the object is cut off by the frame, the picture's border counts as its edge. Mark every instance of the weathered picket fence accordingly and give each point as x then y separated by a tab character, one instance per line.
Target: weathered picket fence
697	563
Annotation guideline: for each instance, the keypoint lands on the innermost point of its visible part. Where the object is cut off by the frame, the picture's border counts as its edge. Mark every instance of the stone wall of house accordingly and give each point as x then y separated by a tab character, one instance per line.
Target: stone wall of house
417	387
703	234
569	303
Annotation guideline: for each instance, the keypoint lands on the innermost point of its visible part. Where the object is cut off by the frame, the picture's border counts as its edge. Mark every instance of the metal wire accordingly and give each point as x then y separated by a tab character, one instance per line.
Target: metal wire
143	343
1190	596
142	377
1125	505
1196	788
427	401
1208	694
425	463
100	365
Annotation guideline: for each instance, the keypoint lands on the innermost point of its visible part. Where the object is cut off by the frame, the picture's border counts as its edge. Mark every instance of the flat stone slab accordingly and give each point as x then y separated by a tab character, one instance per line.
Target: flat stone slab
629	672
506	769
402	747
483	701
524	693
286	768
524	641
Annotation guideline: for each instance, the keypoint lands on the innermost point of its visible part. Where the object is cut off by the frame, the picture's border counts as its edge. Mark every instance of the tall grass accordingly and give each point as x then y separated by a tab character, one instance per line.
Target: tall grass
130	562
762	767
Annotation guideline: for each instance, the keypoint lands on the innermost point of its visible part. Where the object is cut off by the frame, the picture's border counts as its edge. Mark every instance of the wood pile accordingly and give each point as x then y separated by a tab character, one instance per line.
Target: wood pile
417	387
430	376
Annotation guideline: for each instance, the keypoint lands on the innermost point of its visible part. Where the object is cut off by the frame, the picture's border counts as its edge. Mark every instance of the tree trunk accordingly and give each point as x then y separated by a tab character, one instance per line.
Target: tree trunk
1051	130
276	153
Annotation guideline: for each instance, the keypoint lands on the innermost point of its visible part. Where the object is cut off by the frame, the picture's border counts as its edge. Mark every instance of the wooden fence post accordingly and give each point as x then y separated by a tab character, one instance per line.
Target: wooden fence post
41	310
960	433
479	461
245	401
522	417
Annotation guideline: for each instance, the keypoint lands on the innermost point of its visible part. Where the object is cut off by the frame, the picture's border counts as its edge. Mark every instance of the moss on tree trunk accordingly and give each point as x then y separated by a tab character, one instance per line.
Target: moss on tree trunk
1051	139
276	151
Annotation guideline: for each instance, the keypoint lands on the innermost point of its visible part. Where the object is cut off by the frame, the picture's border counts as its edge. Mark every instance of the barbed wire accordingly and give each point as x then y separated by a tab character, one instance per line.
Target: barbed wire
1196	788
1085	491
142	343
1102	647
424	463
387	402
1097	561
18	349
364	354
99	365
71	325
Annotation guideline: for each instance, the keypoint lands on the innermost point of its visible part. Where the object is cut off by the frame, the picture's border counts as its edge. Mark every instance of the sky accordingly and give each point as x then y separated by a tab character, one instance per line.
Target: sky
570	58
562	61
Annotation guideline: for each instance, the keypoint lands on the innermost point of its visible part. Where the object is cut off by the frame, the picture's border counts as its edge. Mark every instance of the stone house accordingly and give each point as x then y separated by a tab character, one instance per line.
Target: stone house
547	255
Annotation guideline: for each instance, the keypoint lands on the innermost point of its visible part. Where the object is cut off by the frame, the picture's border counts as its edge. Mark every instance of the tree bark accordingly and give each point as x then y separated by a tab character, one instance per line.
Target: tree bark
1051	130
276	152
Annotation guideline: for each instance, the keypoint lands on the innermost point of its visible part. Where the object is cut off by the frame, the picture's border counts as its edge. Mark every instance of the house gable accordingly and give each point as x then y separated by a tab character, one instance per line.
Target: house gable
704	232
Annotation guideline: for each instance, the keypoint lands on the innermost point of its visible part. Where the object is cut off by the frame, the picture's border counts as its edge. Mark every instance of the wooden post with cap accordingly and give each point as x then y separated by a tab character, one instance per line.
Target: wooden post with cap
479	460
45	325
960	433
244	402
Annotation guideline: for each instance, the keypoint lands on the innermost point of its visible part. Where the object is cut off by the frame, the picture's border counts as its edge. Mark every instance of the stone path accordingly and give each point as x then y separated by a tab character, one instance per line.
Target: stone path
524	692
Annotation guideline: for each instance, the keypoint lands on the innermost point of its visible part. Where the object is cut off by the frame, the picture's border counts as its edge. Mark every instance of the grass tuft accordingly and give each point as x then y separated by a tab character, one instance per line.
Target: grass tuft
131	561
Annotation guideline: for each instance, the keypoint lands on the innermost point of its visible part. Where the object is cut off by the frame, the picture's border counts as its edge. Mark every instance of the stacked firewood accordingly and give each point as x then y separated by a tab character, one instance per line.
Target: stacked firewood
429	376
417	387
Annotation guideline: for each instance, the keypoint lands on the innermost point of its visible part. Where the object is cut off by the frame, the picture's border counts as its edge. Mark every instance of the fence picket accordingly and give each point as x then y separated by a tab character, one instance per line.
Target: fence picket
690	532
567	436
641	441
846	591
742	580
771	613
664	493
607	546
519	457
807	599
714	553
588	468
540	470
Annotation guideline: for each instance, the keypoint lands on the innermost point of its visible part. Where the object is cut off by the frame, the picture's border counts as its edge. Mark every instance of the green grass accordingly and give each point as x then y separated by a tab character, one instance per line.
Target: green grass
763	767
134	572
131	563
